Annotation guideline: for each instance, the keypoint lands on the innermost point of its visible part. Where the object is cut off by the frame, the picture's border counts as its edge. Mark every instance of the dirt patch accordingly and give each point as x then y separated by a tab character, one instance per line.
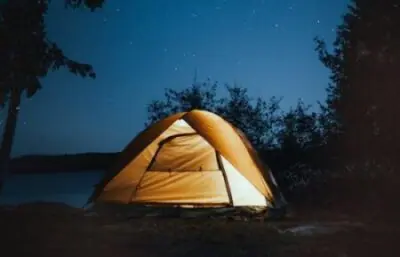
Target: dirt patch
58	230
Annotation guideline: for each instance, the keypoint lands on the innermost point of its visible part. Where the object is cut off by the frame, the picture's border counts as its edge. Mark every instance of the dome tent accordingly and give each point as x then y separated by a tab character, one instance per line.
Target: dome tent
192	159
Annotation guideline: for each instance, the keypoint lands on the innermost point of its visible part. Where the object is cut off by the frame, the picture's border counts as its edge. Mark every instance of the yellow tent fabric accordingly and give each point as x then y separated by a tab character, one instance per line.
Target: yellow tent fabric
193	158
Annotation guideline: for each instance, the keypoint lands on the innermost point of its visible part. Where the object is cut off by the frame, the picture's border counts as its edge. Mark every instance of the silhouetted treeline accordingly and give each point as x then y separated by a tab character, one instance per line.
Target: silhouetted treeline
34	164
365	87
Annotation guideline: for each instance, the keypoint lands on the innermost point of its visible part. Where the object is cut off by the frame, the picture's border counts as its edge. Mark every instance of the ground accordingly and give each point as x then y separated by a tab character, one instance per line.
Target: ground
57	230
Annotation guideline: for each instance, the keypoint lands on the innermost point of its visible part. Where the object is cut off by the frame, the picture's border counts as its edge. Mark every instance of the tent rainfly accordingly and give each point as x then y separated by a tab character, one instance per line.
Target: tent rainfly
191	159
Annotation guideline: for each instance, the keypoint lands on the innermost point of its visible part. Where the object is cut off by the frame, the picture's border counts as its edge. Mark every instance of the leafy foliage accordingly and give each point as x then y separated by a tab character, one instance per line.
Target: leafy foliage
255	117
26	53
364	74
197	96
91	4
298	156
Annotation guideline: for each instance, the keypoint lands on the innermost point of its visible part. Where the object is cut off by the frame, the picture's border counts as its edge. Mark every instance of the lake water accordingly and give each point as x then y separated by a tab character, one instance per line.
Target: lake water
70	188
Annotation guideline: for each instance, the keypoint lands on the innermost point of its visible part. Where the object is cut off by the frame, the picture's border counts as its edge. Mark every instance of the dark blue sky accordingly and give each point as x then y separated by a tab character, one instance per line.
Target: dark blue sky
138	48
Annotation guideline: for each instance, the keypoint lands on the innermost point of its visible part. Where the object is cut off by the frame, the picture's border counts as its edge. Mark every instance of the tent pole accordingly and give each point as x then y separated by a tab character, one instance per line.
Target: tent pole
221	167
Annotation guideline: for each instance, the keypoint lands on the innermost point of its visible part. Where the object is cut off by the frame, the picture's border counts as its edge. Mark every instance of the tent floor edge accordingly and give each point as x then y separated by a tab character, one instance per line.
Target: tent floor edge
132	211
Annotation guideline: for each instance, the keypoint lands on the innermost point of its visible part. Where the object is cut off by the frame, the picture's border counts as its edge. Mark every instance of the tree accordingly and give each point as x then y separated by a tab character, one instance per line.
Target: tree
364	91
26	55
197	96
298	128
255	117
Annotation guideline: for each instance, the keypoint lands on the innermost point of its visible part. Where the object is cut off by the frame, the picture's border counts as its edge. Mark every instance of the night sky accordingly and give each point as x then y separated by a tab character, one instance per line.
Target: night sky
138	48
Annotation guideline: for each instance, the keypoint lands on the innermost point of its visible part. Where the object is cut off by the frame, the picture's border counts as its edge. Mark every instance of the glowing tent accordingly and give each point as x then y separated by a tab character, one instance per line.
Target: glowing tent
192	159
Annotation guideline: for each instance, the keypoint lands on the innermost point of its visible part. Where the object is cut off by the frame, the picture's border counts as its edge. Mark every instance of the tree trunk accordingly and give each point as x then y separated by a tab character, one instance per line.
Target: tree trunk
8	135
